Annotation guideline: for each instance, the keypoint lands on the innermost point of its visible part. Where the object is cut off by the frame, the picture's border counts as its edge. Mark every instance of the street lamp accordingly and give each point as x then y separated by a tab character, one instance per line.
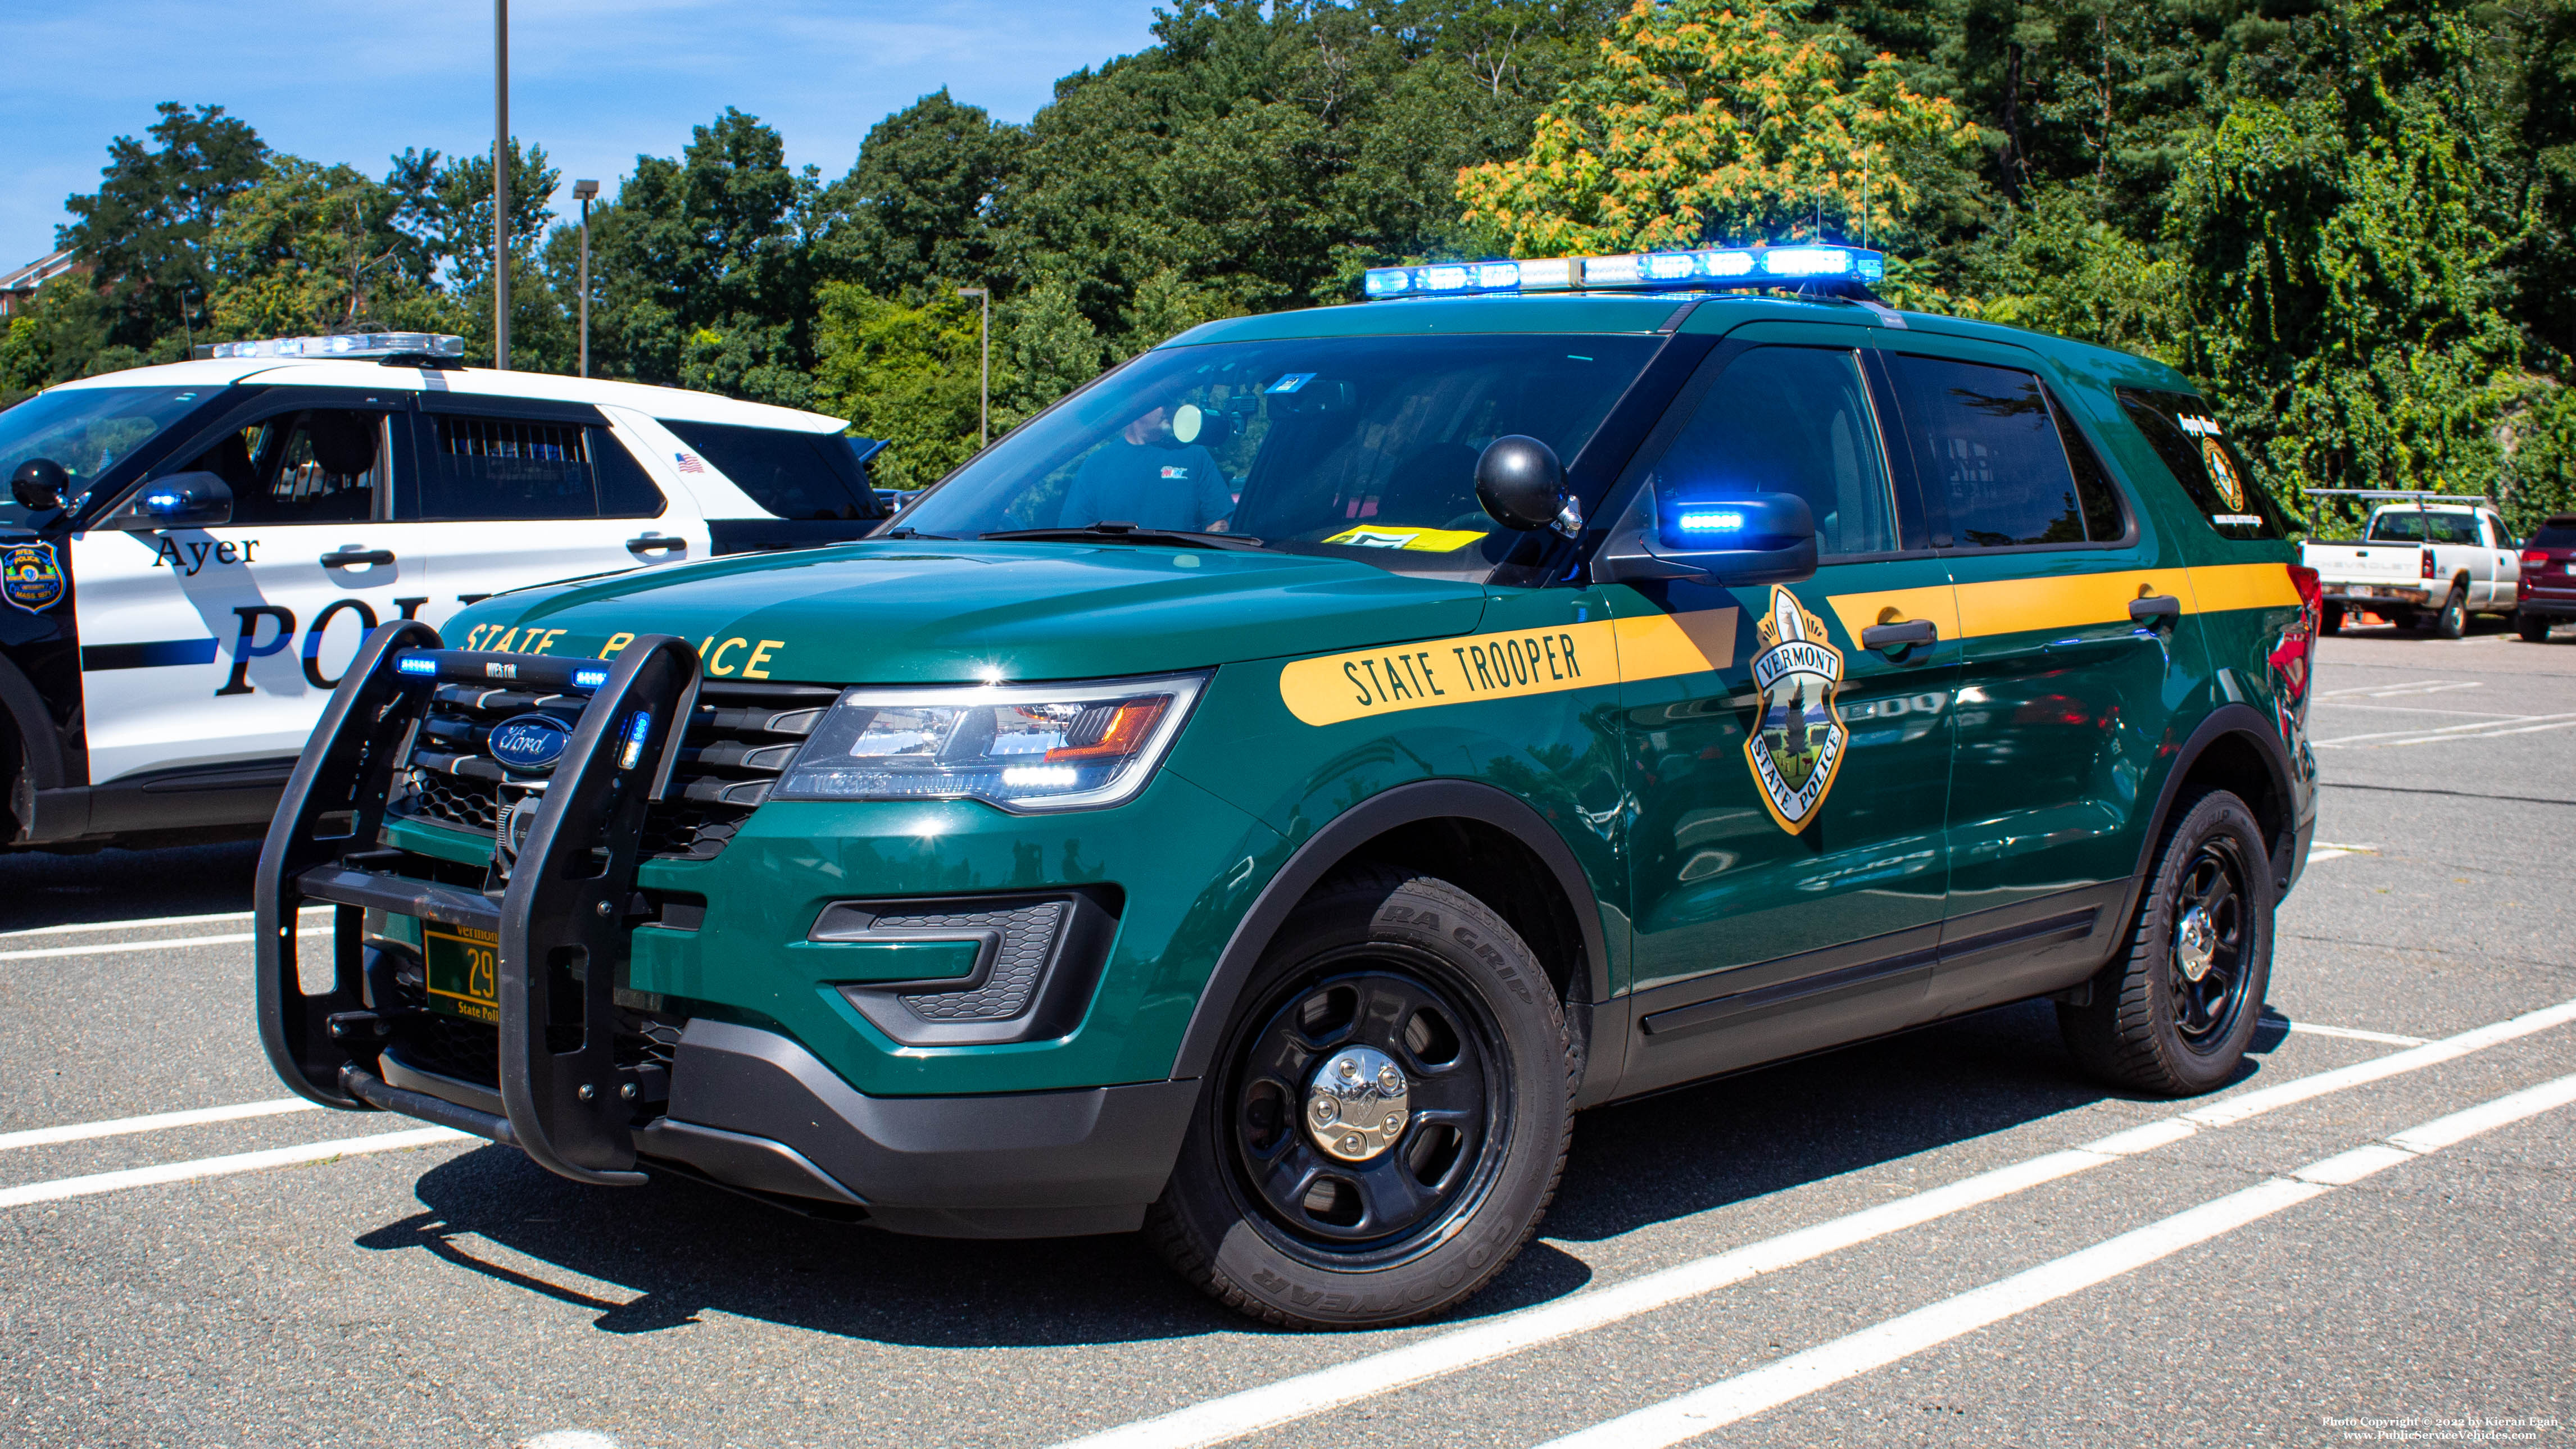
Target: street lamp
501	184
582	192
984	396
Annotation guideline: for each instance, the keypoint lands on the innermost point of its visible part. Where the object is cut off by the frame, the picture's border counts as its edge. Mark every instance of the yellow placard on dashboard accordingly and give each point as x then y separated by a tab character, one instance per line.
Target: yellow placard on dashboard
1507	665
1422	540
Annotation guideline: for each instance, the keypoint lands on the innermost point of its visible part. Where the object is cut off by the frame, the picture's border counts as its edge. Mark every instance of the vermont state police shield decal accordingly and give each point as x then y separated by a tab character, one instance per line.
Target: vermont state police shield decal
1797	743
30	576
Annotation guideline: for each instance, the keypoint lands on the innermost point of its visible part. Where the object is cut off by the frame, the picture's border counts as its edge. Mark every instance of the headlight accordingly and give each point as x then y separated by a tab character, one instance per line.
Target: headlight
1020	746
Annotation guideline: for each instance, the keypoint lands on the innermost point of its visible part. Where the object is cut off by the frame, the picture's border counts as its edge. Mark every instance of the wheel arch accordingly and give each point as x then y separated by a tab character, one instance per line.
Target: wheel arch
2235	747
25	722
1513	861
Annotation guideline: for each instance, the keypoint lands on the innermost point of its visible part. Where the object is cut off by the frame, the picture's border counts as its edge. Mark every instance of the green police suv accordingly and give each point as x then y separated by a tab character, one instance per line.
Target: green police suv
1262	799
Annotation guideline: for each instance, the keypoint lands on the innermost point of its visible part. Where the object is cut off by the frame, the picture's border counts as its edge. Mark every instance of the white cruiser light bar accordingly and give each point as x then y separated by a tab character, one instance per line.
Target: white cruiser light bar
1702	270
353	344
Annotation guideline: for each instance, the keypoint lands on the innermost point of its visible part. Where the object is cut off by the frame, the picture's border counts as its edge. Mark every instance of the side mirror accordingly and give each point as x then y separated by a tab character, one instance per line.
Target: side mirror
39	483
1760	538
181	500
1522	486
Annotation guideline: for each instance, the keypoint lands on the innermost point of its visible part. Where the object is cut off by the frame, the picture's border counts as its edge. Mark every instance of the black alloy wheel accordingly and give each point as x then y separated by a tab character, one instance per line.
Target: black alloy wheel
1386	1118
2174	1012
1338	1191
2208	976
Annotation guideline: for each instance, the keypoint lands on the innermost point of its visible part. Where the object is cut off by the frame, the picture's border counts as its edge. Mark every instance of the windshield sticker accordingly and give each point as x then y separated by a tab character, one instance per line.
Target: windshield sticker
30	576
1796	744
1291	382
2226	520
1480	667
1423	540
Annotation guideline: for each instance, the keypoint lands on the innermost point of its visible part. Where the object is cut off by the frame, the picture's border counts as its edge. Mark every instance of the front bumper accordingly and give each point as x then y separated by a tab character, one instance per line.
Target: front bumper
744	1106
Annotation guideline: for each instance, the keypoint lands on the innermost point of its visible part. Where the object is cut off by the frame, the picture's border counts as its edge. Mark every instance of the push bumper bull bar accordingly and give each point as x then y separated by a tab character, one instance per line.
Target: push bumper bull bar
557	905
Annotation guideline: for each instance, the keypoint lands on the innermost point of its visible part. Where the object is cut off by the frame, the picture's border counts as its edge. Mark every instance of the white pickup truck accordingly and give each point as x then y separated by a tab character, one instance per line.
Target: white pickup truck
2424	558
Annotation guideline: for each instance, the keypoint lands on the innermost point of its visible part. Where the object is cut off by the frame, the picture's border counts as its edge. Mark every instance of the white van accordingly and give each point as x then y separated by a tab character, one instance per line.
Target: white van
191	552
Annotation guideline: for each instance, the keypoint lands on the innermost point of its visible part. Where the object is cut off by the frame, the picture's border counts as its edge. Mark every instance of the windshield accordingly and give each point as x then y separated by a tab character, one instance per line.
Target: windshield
2407	526
89	431
1362	447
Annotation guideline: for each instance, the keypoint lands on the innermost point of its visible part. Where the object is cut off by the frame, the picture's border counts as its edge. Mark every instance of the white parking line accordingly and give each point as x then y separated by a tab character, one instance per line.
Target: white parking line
113	947
2387	691
2511	724
2347	1033
1691	1415
1249	1411
204	1167
158	1121
141	924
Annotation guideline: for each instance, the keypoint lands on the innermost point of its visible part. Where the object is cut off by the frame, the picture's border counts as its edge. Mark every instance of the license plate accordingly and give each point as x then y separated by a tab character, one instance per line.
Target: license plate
464	971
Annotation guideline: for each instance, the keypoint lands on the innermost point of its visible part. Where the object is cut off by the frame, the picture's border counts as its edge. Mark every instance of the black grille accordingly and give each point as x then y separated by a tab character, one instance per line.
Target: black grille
740	740
1028	939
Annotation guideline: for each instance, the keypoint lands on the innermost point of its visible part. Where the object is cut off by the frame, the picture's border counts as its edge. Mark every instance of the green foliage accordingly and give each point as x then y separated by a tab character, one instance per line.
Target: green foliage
914	214
145	230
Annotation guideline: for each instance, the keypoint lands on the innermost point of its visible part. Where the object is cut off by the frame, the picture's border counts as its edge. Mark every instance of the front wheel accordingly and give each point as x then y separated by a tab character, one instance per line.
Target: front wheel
2174	1013
1388	1116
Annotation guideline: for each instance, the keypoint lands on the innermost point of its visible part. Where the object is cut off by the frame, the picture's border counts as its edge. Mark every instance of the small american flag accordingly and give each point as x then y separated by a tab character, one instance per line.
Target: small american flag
689	463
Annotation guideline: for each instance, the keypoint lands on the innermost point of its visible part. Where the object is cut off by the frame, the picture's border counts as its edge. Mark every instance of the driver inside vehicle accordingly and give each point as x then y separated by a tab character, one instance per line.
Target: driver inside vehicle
1153	473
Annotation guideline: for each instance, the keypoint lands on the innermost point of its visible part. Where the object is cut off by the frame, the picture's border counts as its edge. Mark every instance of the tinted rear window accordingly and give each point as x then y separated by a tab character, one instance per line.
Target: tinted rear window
793	475
1987	447
2194	447
494	468
2553	534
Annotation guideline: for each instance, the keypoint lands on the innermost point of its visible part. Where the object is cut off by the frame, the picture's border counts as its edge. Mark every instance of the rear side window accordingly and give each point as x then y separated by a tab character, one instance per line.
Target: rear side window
2194	447
793	475
496	468
1987	446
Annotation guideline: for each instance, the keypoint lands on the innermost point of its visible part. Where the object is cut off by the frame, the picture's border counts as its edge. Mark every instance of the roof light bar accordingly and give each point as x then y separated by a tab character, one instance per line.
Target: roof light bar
347	344
1651	271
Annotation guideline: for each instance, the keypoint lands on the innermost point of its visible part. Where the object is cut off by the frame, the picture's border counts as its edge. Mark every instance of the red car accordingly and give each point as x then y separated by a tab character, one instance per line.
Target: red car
2548	577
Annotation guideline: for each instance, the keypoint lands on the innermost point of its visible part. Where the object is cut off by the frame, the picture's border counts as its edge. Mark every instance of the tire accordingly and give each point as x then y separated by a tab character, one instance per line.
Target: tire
2404	619
1268	1216
2148	1026
2330	619
2453	620
2534	628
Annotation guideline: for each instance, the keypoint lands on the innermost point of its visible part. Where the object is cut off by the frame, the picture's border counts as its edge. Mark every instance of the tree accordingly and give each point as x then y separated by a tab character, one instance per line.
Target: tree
1709	121
703	267
308	249
146	229
914	214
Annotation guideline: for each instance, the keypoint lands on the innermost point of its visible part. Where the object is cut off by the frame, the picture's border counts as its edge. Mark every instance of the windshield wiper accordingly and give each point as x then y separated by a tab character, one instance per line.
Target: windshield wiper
908	531
1112	532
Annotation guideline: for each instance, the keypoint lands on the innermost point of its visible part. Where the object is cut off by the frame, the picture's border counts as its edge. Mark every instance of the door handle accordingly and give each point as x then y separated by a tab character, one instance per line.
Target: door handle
2148	608
651	543
349	558
1899	635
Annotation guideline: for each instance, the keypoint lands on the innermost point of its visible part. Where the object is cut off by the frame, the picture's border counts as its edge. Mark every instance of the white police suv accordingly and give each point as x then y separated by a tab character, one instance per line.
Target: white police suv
191	552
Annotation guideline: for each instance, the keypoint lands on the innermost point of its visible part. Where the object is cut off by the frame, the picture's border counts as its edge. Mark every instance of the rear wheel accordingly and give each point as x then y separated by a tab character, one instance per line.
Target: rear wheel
2534	628
2330	619
2453	621
2174	1013
1388	1117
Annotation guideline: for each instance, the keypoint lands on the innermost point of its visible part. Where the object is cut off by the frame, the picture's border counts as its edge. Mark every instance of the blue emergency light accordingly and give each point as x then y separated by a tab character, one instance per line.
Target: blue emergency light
351	344
589	678
421	665
1701	270
1710	521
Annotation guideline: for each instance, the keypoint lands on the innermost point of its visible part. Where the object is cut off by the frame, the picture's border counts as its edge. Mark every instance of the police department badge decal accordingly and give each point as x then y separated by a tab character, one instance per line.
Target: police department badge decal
1797	743
30	576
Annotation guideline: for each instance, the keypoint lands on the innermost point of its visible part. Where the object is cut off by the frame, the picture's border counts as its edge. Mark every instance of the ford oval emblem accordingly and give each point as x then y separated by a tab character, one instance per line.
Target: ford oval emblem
529	743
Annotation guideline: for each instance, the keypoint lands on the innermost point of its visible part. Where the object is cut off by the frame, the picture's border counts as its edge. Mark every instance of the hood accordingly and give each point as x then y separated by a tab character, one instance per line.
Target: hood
913	611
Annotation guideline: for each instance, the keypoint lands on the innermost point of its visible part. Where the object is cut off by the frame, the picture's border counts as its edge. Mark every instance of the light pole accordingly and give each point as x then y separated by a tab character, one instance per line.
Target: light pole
984	395
583	191
501	184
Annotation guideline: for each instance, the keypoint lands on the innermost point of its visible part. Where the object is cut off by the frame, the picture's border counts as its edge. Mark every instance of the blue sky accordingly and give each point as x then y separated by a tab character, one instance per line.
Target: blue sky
594	82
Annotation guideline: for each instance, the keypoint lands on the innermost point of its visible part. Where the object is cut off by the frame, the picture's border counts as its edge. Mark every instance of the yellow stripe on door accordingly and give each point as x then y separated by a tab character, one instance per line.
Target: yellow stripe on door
1509	665
2067	601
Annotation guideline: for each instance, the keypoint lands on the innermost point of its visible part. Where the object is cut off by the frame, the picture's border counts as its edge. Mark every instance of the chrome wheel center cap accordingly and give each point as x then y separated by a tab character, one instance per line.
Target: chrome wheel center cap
1357	1103
2195	943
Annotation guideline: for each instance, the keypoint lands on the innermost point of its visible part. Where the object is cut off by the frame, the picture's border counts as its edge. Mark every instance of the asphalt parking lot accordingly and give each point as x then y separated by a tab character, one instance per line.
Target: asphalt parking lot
1949	1237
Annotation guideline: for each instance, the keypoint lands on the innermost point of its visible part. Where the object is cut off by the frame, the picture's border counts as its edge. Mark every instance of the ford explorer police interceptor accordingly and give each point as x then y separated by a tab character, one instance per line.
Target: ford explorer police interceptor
193	551
1261	799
